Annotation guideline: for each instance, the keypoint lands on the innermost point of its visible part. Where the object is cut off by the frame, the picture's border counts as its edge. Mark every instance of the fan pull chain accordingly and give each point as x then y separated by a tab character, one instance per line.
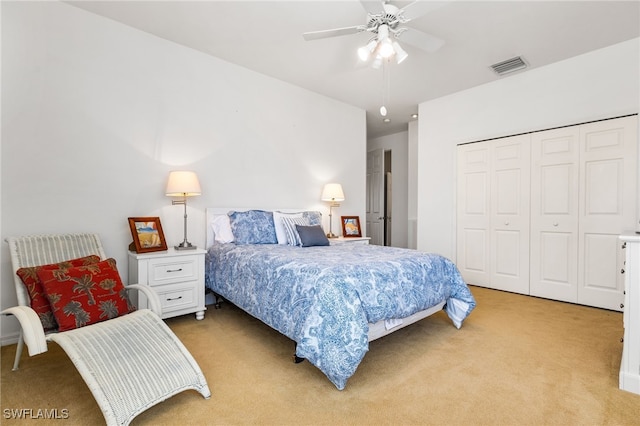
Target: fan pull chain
385	87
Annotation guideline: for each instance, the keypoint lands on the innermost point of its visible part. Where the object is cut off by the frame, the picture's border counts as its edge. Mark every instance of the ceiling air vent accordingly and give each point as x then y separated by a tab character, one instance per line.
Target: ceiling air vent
510	65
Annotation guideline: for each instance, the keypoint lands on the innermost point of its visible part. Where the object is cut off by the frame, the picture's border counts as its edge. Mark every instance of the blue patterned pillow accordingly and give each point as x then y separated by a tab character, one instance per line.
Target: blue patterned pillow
314	218
253	227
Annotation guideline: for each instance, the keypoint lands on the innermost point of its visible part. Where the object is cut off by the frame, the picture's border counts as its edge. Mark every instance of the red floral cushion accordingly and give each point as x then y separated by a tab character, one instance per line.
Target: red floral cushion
86	294
39	301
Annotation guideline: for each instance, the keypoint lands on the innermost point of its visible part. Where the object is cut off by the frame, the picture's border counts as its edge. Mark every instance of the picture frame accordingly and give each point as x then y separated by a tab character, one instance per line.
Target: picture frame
351	226
147	234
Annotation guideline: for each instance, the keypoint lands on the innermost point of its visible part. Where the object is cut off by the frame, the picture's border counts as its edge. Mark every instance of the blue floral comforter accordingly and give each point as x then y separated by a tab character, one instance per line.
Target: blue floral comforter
324	297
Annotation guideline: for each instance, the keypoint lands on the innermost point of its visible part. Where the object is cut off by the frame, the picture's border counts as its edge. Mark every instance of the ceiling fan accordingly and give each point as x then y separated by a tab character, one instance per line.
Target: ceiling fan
385	21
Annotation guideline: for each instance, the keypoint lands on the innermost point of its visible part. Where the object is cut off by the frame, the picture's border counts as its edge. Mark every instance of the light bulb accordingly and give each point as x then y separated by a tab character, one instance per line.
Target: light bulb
386	49
383	111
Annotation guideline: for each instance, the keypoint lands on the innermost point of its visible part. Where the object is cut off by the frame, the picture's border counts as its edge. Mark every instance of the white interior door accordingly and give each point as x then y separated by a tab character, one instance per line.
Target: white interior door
388	208
473	221
375	196
607	207
510	186
554	214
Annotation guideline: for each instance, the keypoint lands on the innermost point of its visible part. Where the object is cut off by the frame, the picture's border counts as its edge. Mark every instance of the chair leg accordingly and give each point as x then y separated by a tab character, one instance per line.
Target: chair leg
16	362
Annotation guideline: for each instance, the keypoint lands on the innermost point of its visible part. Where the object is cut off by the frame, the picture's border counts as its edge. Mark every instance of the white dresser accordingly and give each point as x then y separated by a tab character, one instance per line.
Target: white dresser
630	365
177	276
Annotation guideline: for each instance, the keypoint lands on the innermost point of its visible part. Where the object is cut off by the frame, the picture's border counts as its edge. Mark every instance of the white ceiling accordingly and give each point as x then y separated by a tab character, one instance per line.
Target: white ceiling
266	36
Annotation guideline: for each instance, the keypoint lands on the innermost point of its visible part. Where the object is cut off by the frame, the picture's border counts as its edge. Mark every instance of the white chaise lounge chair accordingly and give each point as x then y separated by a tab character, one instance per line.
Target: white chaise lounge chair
131	362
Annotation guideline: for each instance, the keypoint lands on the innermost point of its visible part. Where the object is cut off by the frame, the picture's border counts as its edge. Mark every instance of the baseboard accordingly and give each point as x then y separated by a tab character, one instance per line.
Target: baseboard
11	339
630	382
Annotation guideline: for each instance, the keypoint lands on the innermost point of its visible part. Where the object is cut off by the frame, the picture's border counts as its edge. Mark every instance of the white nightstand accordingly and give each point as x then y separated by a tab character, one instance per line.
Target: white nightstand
349	240
177	276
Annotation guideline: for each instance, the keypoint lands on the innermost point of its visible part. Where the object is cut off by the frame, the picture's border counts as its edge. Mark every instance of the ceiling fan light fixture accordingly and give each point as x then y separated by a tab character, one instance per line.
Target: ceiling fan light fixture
365	51
377	62
401	55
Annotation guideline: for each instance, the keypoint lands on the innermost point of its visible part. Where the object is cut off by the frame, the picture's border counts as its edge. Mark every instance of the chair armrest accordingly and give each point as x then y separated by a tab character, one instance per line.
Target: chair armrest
152	297
32	331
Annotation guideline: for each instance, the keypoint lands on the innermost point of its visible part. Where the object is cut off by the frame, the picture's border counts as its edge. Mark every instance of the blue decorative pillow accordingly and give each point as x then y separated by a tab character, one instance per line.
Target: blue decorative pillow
314	218
312	236
253	227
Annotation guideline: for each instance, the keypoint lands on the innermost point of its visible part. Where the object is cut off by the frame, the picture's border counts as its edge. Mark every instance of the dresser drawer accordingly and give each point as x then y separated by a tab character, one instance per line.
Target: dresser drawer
177	297
173	270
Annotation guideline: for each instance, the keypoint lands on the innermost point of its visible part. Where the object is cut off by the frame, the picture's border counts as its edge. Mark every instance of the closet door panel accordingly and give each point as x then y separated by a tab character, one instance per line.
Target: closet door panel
554	214
556	248
607	207
510	183
473	213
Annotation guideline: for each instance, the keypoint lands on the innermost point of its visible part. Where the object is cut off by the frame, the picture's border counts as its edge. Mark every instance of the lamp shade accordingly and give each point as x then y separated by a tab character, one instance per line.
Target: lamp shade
183	183
332	192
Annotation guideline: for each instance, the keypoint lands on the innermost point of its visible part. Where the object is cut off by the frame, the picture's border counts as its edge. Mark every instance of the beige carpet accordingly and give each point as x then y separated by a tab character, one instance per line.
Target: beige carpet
517	360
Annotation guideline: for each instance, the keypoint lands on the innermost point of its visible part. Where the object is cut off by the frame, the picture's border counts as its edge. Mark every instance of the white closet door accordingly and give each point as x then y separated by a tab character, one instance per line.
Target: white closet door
554	214
607	207
375	197
473	220
510	187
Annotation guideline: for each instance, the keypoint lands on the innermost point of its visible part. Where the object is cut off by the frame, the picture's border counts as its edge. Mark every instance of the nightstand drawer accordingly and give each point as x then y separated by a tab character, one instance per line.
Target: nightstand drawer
168	271
177	297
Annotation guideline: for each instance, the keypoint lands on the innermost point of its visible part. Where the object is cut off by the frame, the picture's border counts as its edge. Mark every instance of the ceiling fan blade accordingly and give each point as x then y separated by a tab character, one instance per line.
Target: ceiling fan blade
423	41
315	35
418	8
372	7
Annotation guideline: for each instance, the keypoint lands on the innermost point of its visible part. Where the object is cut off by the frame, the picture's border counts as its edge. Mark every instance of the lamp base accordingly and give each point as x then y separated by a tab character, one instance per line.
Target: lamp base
331	235
185	245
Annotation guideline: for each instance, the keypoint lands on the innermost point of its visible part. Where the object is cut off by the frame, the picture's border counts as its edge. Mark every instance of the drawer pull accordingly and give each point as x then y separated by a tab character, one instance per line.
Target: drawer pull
622	271
174	270
174	298
622	306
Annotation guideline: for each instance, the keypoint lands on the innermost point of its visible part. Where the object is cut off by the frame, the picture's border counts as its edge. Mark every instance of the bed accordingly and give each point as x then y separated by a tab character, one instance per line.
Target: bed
331	300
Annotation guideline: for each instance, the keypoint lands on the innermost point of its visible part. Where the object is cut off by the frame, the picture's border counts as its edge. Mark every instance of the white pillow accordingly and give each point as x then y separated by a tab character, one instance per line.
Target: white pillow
281	233
293	238
222	229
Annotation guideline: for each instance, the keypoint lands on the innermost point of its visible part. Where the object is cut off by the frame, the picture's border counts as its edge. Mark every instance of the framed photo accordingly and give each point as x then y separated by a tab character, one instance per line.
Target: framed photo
147	234
351	226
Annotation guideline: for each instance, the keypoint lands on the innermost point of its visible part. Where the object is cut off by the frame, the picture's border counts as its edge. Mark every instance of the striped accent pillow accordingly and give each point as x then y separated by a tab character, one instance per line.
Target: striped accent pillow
293	238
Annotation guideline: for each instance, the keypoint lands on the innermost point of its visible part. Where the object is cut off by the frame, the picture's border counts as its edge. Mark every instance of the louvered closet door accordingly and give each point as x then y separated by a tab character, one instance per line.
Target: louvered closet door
607	207
510	186
554	214
473	221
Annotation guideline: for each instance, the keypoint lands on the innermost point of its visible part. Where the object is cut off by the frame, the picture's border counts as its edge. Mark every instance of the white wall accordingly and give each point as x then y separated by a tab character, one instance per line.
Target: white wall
397	143
600	84
95	115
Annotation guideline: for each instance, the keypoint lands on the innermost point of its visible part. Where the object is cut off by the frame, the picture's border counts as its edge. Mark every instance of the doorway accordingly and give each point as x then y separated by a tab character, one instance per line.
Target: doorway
387	197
